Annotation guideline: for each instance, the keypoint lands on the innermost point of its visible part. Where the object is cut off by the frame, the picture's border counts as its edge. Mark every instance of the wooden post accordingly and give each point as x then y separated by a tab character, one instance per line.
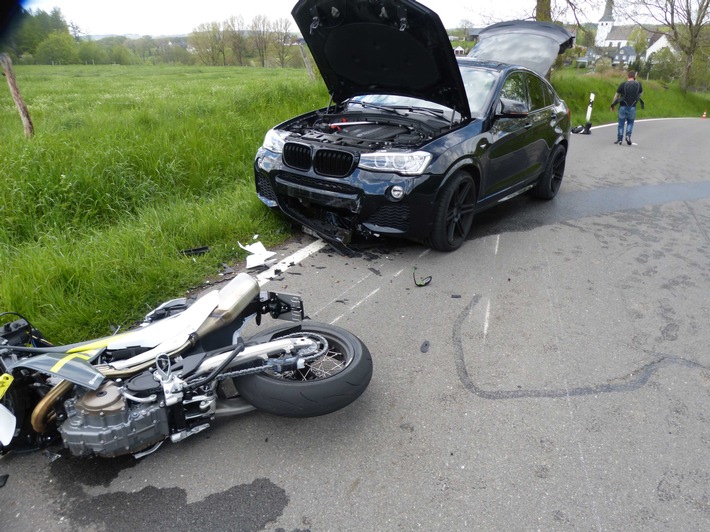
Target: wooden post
15	91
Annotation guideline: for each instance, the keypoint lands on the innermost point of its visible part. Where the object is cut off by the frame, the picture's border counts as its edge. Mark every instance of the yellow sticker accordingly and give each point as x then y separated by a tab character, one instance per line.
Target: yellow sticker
5	381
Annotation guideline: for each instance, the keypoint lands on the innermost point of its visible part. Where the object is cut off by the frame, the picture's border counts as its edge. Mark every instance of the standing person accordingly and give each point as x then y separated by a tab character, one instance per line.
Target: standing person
627	96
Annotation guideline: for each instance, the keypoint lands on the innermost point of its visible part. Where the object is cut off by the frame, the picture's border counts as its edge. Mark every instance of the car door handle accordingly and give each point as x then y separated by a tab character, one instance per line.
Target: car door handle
528	125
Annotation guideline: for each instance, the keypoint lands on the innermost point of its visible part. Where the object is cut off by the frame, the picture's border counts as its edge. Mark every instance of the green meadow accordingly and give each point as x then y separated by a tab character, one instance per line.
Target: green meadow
130	166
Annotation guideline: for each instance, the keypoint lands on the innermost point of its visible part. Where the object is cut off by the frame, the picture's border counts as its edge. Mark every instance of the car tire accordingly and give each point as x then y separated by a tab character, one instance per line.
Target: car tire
549	183
453	213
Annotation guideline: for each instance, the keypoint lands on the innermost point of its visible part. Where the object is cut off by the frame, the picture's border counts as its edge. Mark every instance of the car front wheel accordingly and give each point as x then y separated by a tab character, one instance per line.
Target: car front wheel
453	213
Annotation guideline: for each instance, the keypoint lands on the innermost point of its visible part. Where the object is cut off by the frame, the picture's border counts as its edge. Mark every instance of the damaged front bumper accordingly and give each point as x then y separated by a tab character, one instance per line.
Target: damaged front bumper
338	210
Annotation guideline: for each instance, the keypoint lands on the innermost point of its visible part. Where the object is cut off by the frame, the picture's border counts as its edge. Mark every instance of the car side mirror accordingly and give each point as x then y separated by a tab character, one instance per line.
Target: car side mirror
511	109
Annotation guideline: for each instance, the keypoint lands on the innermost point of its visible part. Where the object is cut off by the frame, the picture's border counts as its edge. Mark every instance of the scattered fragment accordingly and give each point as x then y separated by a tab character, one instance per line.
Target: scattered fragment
51	457
259	254
3	480
195	251
375	271
455	296
226	269
425	346
423	281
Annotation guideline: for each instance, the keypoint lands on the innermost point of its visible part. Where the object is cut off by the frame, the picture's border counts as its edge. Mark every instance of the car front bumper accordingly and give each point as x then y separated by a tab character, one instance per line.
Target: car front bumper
337	209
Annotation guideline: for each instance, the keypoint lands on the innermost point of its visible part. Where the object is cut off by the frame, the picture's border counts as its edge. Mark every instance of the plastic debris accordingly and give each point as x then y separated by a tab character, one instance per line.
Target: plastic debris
259	255
425	347
422	281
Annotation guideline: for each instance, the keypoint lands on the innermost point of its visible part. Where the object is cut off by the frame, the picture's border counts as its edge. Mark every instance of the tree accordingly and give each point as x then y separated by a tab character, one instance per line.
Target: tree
58	49
143	47
543	10
33	28
684	22
664	65
75	31
260	28
639	40
208	43
91	53
121	55
235	39
281	37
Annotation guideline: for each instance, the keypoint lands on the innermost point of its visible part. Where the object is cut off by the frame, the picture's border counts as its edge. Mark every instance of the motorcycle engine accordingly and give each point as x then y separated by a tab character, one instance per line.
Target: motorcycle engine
104	423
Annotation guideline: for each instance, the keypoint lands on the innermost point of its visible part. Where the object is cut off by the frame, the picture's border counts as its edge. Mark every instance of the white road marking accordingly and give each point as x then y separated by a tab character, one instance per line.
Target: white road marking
368	296
486	320
292	260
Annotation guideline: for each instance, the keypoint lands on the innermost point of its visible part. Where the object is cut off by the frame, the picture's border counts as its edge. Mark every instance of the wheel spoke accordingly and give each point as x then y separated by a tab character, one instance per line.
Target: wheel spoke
332	363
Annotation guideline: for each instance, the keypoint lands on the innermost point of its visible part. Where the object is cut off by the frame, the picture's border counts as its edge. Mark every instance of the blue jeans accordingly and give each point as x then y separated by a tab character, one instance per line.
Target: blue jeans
626	114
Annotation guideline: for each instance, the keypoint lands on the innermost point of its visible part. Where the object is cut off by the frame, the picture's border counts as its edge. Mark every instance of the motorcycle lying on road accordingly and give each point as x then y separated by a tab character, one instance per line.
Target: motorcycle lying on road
184	365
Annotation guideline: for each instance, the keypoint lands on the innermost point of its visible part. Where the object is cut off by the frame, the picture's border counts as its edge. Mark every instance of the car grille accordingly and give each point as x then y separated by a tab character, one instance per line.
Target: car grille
322	184
394	216
297	156
264	189
332	163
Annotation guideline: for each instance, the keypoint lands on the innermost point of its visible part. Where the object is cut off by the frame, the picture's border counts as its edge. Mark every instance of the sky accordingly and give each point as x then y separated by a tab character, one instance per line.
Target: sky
176	17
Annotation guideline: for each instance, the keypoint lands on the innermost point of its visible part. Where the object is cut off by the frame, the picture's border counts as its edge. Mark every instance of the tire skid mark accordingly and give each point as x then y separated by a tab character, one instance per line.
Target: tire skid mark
626	383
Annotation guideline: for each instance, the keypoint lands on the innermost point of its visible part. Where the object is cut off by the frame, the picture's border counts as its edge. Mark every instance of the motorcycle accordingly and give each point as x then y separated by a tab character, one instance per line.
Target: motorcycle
184	365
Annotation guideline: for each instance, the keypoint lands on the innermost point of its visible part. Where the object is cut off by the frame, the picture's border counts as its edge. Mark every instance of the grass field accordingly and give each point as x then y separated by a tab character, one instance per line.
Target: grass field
131	165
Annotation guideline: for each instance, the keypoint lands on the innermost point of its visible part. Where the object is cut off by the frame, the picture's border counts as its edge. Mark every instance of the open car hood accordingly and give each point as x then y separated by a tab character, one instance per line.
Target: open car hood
382	47
528	43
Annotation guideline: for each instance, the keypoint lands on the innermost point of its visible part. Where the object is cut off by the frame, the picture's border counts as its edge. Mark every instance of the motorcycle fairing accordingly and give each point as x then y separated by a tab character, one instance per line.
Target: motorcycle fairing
7	425
73	367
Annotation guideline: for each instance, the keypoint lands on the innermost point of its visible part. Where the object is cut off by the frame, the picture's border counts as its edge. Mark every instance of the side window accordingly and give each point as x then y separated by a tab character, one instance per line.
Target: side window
549	96
513	92
537	96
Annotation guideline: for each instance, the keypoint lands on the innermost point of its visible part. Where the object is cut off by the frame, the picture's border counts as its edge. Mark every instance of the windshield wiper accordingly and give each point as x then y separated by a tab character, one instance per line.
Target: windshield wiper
388	108
439	113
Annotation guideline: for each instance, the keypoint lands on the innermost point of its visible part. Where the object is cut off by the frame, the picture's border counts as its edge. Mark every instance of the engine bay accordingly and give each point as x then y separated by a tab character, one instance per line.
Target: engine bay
372	131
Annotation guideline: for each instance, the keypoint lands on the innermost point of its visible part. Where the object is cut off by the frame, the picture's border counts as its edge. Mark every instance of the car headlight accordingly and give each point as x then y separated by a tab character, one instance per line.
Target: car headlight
404	163
274	140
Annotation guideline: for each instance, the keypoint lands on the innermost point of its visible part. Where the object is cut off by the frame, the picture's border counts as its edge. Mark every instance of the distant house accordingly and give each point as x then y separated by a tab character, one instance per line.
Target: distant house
589	58
659	43
624	56
459	50
472	33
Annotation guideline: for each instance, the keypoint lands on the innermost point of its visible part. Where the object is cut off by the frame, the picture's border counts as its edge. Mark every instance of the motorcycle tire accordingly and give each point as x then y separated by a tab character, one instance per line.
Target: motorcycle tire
327	384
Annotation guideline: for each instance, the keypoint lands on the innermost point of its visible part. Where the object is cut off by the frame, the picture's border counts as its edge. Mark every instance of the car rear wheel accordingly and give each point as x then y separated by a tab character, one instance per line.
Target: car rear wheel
453	213
549	183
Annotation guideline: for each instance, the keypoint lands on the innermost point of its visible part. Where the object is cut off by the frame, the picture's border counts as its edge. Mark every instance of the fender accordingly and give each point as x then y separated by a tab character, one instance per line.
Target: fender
73	367
7	425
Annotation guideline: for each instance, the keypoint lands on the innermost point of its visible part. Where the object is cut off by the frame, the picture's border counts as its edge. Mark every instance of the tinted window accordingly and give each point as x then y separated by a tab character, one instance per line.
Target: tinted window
513	92
549	96
537	96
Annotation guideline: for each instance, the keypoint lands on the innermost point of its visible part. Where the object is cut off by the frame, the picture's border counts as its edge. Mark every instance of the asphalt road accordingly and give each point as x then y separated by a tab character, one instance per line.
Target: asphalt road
565	383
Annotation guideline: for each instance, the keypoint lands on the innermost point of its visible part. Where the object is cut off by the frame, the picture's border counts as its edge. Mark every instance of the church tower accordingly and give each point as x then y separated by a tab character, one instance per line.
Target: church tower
605	23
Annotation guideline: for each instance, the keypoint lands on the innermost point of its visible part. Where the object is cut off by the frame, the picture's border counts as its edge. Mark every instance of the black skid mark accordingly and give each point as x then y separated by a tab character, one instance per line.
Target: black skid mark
633	381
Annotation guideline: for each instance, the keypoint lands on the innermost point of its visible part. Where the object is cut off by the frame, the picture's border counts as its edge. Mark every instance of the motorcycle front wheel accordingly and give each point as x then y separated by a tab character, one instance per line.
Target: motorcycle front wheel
325	385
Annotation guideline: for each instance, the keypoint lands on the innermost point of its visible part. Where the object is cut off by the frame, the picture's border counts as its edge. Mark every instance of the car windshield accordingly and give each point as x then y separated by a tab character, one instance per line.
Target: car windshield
478	82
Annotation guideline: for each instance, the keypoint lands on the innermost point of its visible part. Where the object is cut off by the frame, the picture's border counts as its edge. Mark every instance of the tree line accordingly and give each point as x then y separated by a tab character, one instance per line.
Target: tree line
45	38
